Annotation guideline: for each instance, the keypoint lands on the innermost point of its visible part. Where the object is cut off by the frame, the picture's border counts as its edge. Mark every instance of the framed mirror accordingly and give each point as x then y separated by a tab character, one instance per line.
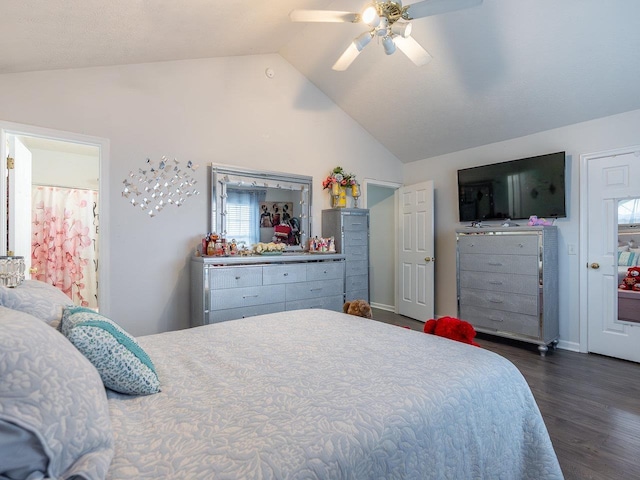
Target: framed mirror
254	206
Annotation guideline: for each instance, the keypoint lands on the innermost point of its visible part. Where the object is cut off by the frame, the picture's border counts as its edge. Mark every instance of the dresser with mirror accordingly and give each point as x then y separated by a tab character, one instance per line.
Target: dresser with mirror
251	206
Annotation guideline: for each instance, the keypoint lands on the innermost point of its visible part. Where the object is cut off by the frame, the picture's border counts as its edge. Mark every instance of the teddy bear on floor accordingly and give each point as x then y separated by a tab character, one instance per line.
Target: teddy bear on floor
452	328
359	308
632	280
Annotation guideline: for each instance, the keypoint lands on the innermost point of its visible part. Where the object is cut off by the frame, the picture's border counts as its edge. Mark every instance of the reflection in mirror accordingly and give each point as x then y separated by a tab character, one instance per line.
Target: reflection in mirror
629	260
253	206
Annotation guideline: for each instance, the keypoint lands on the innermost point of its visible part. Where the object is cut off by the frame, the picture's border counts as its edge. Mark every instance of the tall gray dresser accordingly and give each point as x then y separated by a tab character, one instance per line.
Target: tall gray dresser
350	228
508	282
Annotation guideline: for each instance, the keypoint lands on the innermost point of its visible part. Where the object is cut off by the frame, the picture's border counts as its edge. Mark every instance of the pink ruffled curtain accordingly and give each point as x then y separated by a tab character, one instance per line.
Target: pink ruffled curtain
64	242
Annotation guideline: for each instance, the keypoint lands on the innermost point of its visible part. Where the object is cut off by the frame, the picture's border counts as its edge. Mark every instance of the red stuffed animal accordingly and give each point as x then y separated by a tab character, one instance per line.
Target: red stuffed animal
452	328
632	280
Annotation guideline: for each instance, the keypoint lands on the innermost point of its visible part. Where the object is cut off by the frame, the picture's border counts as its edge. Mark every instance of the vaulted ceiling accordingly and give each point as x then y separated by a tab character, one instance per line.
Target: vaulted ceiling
501	70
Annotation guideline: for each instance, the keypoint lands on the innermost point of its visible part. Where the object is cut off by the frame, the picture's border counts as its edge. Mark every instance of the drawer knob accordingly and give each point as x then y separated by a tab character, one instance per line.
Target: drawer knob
237	278
495	301
521	245
286	274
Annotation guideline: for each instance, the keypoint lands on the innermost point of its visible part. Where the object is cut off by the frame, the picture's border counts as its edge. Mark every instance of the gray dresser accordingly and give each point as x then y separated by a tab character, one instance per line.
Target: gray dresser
226	288
350	228
508	282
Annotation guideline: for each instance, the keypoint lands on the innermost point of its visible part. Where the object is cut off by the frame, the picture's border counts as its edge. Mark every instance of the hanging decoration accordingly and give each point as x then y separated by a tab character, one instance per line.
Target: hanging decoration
158	185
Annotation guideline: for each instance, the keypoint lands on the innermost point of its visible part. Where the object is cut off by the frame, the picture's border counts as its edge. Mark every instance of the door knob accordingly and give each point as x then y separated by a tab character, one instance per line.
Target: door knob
595	266
429	259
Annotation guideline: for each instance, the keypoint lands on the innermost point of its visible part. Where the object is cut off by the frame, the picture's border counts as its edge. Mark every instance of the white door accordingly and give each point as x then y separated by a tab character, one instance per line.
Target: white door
19	194
610	177
414	291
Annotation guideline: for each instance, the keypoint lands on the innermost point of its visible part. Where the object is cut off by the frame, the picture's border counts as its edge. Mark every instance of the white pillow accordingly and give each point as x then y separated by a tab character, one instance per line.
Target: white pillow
53	407
36	298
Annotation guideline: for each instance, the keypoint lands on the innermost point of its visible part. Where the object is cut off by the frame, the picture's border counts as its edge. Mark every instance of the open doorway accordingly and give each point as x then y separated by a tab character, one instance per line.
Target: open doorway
53	209
379	198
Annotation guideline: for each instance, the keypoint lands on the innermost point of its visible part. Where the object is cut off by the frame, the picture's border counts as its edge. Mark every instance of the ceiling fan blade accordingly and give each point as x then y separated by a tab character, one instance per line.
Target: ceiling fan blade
413	50
323	16
347	58
427	8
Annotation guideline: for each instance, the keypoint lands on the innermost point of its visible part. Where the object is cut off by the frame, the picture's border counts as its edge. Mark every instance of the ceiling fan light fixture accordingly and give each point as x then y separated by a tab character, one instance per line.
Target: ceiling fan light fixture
402	29
362	40
383	27
370	16
389	45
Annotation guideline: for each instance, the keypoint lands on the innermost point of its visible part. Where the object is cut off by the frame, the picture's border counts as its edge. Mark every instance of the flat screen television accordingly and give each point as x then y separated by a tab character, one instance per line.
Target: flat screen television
515	190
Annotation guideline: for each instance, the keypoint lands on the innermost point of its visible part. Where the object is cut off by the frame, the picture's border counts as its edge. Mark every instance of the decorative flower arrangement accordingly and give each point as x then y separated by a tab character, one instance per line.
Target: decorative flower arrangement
338	176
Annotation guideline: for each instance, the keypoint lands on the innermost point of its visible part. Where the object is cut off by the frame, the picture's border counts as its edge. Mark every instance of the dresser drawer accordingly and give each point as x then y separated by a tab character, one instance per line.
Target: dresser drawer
333	302
498	263
509	302
355	223
503	244
501	282
321	288
276	274
223	277
325	270
497	320
356	252
352	295
245	297
357	282
355	238
243	312
357	267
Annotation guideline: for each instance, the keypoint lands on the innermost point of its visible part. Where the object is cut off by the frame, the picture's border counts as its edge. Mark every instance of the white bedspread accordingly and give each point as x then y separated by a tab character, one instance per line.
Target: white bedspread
319	394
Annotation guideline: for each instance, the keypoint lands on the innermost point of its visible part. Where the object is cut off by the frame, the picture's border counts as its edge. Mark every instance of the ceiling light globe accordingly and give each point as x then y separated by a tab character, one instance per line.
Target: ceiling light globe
362	40
402	29
389	45
370	16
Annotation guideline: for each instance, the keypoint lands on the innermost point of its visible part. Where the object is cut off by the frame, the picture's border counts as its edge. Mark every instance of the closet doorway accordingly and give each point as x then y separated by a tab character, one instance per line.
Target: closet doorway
379	198
54	201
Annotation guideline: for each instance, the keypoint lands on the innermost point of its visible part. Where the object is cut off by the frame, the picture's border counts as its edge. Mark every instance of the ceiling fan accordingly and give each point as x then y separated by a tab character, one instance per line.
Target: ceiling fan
387	20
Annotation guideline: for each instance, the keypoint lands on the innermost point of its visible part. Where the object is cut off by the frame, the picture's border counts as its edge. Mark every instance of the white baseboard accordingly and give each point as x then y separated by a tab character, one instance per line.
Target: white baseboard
571	346
381	306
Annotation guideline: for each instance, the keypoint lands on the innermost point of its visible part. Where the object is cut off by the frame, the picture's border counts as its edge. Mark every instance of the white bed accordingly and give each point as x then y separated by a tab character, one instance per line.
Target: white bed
319	394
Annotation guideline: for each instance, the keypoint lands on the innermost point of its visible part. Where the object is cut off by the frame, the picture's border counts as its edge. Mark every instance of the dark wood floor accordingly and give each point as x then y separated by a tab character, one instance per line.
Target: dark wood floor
590	404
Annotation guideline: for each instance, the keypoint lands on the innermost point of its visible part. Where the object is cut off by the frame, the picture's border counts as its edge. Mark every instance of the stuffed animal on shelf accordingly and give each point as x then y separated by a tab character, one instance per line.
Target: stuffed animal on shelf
452	328
359	308
534	220
632	280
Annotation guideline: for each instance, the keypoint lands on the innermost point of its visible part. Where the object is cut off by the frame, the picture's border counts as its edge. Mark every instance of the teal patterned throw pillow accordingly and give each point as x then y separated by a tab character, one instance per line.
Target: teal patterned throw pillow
122	363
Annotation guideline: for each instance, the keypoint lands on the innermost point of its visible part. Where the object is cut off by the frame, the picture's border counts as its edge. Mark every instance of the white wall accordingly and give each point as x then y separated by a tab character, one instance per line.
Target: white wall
588	137
222	110
64	169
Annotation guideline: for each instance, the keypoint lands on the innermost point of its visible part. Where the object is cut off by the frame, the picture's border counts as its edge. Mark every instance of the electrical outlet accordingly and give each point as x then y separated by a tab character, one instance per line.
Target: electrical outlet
571	249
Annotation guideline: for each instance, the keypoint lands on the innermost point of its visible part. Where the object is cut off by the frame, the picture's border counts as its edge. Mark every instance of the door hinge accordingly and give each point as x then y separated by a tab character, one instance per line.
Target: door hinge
11	163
